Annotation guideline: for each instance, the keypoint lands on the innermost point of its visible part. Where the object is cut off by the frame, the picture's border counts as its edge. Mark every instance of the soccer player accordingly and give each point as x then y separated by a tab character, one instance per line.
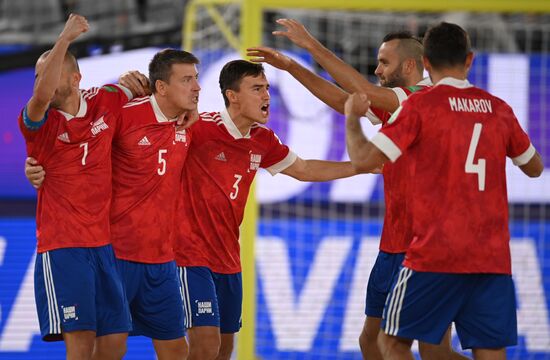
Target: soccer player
228	149
456	138
400	72
78	292
147	158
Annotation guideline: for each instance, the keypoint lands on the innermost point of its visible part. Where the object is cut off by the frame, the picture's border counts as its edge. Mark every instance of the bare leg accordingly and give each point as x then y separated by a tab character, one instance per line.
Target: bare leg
79	344
489	354
204	342
175	349
368	339
226	348
110	347
442	351
394	348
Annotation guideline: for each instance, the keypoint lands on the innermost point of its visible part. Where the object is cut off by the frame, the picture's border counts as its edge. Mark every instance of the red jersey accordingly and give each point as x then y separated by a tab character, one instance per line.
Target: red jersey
397	229
148	157
74	200
217	176
457	137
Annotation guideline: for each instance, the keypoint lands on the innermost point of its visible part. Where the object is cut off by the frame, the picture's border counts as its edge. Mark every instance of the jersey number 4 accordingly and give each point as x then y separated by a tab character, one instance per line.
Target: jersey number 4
478	168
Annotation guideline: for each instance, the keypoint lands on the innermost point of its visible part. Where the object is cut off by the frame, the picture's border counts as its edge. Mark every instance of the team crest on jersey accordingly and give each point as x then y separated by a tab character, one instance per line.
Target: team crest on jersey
181	136
255	160
98	126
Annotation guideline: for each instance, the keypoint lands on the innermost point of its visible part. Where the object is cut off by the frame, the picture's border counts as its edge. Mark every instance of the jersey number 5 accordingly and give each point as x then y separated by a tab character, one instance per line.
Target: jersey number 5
233	194
162	169
478	168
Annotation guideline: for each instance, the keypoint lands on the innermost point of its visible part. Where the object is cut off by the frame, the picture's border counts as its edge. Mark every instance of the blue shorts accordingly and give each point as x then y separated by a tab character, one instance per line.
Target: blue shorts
154	295
79	289
380	280
212	299
422	305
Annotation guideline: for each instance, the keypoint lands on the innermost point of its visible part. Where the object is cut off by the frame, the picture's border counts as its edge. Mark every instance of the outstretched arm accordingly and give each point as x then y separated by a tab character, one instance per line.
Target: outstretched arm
319	170
345	75
365	157
49	71
324	90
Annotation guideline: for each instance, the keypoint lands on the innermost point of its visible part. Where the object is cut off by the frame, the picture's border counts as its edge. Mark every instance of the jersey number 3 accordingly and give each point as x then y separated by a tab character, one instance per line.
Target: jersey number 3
479	168
233	194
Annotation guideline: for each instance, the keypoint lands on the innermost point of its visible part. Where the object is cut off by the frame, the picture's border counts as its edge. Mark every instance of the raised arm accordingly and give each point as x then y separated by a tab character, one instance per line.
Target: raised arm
345	75
48	71
324	90
365	157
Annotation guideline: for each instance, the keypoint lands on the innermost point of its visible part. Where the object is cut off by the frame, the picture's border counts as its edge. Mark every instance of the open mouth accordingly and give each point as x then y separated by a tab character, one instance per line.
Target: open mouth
265	109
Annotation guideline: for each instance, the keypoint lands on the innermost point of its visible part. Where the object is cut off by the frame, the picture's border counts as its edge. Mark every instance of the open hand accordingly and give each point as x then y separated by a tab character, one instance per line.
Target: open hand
263	54
136	82
295	32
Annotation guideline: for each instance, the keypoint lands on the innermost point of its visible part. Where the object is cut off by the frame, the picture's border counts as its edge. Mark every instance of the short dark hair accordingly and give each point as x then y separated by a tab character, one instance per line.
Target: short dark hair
160	66
446	45
233	73
409	46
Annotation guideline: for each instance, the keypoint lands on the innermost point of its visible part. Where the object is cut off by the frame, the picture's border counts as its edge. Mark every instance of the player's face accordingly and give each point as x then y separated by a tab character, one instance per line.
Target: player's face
182	89
254	98
64	89
389	69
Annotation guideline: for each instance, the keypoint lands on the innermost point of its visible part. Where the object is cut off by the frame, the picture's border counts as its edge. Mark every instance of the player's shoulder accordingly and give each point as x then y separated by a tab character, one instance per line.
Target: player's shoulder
137	104
214	116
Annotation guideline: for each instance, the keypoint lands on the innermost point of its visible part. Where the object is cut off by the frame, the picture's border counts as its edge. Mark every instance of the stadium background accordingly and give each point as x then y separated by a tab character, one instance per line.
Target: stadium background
314	244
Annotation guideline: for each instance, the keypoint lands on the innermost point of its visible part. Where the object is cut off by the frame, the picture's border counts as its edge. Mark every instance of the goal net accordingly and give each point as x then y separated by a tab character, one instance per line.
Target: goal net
316	243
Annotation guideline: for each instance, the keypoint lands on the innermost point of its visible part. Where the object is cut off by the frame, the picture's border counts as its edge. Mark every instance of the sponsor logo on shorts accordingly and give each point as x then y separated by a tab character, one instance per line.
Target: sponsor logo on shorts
69	313
204	307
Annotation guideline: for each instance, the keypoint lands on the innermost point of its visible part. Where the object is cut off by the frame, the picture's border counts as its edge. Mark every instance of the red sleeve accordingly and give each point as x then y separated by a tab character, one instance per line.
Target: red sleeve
402	129
276	151
115	95
519	147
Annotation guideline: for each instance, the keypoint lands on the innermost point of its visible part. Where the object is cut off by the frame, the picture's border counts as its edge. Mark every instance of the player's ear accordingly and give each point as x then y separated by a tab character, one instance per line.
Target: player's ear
75	79
160	86
232	96
409	66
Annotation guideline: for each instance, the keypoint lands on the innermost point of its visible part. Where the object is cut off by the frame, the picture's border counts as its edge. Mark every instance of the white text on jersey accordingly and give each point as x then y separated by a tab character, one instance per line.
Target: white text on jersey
181	136
471	105
98	126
